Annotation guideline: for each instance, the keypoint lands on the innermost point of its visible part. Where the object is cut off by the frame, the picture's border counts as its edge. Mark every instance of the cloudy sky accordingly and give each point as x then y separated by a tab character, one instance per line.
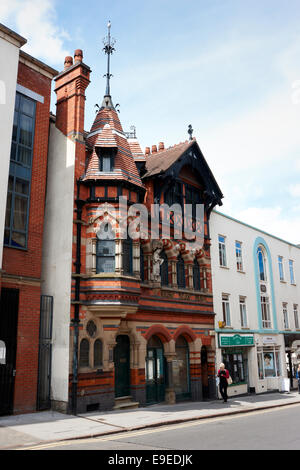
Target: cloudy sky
231	68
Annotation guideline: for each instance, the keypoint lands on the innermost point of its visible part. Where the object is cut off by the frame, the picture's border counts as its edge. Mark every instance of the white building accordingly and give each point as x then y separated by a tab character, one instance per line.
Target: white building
256	287
10	43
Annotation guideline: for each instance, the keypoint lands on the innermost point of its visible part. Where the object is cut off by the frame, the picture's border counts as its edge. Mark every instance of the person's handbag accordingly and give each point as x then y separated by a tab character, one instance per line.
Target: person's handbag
229	380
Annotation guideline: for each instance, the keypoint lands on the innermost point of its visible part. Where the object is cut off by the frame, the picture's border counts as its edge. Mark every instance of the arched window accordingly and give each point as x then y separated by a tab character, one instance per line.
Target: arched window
127	256
84	353
261	264
105	250
98	353
180	272
164	269
196	275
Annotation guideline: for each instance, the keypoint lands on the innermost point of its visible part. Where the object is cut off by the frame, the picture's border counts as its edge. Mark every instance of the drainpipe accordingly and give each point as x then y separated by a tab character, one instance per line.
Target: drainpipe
76	302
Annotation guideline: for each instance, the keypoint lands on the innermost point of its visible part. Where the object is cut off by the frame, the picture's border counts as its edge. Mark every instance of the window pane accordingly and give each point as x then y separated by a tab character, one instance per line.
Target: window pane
127	256
15	127
25	130
84	353
180	272
13	151
22	187
269	365
18	240
196	275
24	155
27	106
20	213
164	270
97	353
8	210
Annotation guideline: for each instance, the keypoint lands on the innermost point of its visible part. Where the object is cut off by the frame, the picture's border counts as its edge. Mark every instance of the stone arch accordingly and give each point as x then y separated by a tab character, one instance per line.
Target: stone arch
186	332
160	331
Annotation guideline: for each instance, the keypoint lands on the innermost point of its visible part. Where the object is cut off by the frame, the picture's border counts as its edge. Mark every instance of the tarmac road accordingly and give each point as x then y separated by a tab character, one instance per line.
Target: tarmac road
270	429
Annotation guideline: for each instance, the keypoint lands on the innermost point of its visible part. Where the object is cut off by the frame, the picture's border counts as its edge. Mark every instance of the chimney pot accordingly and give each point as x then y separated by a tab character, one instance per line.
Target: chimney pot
68	62
78	55
161	146
147	151
154	149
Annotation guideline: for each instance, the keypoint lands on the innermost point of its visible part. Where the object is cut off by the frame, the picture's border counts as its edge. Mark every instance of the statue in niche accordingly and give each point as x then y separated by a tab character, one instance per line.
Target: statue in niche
156	262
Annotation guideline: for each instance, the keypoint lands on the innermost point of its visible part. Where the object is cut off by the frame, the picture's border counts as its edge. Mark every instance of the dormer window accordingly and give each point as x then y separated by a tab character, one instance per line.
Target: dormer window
106	160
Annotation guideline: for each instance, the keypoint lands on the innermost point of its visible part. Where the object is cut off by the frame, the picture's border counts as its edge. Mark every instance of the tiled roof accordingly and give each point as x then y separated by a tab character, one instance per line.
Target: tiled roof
107	132
160	161
136	150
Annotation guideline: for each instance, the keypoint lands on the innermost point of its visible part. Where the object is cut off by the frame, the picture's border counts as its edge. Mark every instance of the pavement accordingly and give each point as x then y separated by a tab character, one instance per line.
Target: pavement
28	430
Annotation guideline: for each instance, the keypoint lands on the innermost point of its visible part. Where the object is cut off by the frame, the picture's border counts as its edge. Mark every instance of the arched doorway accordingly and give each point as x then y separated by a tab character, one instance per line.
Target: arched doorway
122	366
181	370
155	371
204	372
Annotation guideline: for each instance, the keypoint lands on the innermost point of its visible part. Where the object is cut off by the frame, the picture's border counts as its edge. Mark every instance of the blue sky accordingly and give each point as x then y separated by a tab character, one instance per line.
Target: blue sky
230	68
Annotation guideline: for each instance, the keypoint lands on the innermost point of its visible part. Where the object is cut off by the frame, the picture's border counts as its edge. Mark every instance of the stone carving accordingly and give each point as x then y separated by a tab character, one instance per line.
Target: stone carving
156	261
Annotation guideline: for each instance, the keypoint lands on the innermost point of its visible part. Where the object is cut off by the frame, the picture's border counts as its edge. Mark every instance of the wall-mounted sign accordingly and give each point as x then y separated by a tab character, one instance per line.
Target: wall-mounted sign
269	340
2	353
236	340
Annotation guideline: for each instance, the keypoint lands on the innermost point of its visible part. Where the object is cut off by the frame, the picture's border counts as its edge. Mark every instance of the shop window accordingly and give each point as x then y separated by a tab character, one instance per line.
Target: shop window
235	363
268	363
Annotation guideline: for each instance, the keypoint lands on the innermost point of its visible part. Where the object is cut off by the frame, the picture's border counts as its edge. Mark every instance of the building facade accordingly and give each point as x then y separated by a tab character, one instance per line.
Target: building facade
24	151
256	301
140	308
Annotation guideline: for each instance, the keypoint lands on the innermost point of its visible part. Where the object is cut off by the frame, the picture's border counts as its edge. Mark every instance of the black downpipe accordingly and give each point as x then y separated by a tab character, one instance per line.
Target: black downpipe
76	319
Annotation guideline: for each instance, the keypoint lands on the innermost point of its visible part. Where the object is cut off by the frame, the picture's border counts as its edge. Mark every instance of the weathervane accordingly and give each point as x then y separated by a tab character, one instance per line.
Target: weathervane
108	48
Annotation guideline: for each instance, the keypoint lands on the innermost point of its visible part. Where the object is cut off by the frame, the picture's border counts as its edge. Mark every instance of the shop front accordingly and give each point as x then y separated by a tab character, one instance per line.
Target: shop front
235	350
269	363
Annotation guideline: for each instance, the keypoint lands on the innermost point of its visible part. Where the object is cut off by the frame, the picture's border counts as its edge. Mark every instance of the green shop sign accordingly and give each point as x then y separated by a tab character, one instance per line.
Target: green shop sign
236	340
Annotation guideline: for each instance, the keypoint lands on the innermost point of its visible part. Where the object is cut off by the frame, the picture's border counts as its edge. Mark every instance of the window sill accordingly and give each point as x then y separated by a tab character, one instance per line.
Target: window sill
241	272
293	284
282	281
224	267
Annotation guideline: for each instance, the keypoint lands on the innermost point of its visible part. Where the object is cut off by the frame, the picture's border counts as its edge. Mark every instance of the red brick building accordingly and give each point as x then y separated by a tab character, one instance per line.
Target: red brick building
23	235
142	320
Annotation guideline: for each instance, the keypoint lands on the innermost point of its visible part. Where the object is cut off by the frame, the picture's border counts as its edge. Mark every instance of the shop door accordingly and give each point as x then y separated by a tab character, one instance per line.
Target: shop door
9	305
155	372
122	366
181	366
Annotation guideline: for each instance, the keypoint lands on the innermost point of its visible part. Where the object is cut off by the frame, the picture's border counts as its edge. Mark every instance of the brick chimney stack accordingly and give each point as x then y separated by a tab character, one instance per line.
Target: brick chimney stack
70	91
154	149
161	146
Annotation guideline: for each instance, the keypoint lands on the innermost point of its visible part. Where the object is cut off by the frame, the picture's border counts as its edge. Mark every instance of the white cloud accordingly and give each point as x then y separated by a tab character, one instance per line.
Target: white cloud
36	21
274	221
294	190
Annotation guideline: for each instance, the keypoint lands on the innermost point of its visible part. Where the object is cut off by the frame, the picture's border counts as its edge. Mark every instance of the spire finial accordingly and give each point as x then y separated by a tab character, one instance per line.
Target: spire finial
190	131
108	48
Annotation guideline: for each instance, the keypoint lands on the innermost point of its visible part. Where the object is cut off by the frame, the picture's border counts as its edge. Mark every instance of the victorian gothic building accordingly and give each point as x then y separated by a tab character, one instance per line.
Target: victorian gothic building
142	324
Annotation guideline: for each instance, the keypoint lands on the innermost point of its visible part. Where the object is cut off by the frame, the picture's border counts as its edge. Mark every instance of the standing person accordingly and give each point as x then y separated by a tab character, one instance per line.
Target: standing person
298	377
223	375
